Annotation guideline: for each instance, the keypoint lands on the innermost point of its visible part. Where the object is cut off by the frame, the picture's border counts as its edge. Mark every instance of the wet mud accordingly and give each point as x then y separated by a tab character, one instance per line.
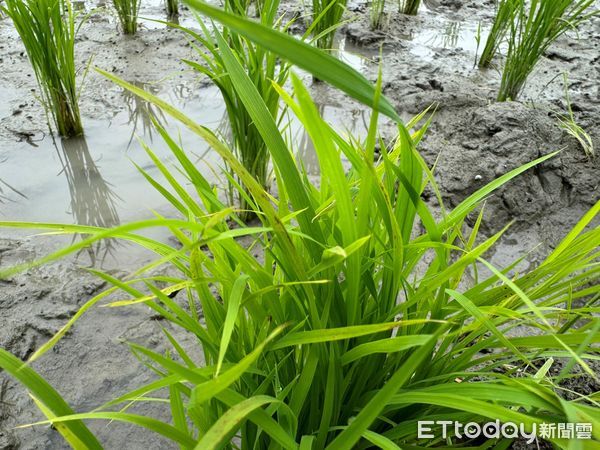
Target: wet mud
428	61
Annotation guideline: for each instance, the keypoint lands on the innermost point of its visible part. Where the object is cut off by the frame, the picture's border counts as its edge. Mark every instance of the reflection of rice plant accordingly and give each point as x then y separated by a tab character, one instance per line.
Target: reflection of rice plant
449	36
172	8
142	112
327	17
572	128
49	39
127	10
506	11
93	202
377	14
534	28
4	185
410	7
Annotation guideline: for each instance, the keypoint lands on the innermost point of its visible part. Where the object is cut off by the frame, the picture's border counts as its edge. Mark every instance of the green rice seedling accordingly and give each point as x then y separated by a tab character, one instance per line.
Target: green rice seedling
478	42
506	13
127	10
172	8
241	7
356	320
327	18
574	130
534	29
263	67
410	7
570	125
49	39
377	14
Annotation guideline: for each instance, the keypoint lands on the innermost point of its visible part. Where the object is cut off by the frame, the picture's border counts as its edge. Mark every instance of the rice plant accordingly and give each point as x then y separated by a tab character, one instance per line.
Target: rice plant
377	14
241	7
357	319
572	128
263	67
506	13
327	18
410	7
172	8
127	10
49	39
535	27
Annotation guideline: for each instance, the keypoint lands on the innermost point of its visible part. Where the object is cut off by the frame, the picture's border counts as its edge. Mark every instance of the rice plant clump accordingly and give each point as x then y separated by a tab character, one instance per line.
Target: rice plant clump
377	14
262	67
535	27
506	13
172	8
127	10
49	39
409	7
327	17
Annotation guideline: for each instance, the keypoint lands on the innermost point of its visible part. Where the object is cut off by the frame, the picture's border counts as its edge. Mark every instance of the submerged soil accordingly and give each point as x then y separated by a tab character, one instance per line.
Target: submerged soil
427	60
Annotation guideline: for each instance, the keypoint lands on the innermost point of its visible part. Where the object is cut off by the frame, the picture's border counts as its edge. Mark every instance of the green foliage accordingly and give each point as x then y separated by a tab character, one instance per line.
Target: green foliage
127	10
506	12
533	29
377	14
262	67
410	7
327	17
49	39
572	128
303	55
363	312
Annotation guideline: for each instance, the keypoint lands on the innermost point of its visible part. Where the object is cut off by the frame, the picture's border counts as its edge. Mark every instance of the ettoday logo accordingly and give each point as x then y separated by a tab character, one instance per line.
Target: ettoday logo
427	429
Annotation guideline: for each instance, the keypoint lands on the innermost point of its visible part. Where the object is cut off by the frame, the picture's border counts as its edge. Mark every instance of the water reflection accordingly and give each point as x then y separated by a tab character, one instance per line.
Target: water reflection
356	57
449	34
93	202
142	113
6	189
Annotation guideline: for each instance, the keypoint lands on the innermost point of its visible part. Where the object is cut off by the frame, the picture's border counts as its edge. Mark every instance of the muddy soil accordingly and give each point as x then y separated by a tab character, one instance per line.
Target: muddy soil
427	60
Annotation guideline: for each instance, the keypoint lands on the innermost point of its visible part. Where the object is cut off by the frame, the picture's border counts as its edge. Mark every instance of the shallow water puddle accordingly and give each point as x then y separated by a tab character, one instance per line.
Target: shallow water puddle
450	34
93	180
443	32
356	57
